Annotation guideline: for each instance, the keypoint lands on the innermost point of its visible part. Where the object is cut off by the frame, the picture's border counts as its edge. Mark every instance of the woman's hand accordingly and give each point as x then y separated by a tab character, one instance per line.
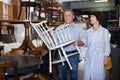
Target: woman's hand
106	60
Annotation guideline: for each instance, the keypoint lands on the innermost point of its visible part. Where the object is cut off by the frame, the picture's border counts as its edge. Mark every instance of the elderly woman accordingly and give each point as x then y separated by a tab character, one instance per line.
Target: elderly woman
97	52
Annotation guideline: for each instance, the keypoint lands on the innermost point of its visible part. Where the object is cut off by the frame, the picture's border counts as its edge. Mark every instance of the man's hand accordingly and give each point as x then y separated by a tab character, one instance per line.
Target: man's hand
79	42
76	43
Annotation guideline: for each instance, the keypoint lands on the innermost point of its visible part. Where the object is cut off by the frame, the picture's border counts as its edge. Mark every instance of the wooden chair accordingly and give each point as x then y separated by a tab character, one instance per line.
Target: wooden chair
36	76
13	65
55	40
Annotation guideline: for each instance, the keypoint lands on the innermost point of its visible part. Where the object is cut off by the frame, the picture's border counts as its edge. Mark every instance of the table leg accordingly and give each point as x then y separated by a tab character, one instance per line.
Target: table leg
27	43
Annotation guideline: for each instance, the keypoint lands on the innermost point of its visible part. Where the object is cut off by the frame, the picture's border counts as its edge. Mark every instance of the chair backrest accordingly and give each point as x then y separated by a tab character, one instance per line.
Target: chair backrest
62	34
50	36
3	67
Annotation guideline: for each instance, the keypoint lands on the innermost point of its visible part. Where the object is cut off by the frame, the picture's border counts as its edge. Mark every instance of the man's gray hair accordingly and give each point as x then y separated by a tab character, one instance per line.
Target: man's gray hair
70	11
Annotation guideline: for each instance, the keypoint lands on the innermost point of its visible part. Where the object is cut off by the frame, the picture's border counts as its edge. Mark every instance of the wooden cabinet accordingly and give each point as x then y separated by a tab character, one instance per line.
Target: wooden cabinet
6	11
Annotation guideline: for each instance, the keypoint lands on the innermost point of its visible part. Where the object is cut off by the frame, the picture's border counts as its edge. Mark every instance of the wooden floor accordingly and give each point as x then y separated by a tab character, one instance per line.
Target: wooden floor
80	73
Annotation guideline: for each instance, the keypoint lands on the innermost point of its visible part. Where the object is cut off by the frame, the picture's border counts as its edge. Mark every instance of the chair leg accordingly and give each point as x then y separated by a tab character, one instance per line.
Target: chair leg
30	77
40	77
61	57
50	62
64	53
20	10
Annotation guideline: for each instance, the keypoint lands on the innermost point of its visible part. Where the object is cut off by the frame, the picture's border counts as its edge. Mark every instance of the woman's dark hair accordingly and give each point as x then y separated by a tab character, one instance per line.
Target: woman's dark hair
98	15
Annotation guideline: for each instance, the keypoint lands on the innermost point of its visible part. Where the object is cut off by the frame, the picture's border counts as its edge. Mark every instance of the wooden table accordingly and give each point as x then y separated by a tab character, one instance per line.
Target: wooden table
27	43
25	64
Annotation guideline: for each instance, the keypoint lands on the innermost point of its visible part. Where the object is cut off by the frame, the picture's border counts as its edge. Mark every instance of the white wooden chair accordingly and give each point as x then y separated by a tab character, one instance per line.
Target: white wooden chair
55	40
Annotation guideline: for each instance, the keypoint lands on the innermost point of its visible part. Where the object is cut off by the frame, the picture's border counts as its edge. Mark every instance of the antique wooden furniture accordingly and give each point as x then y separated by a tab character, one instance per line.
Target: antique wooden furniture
27	5
55	40
26	64
53	10
6	11
27	44
36	76
11	65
